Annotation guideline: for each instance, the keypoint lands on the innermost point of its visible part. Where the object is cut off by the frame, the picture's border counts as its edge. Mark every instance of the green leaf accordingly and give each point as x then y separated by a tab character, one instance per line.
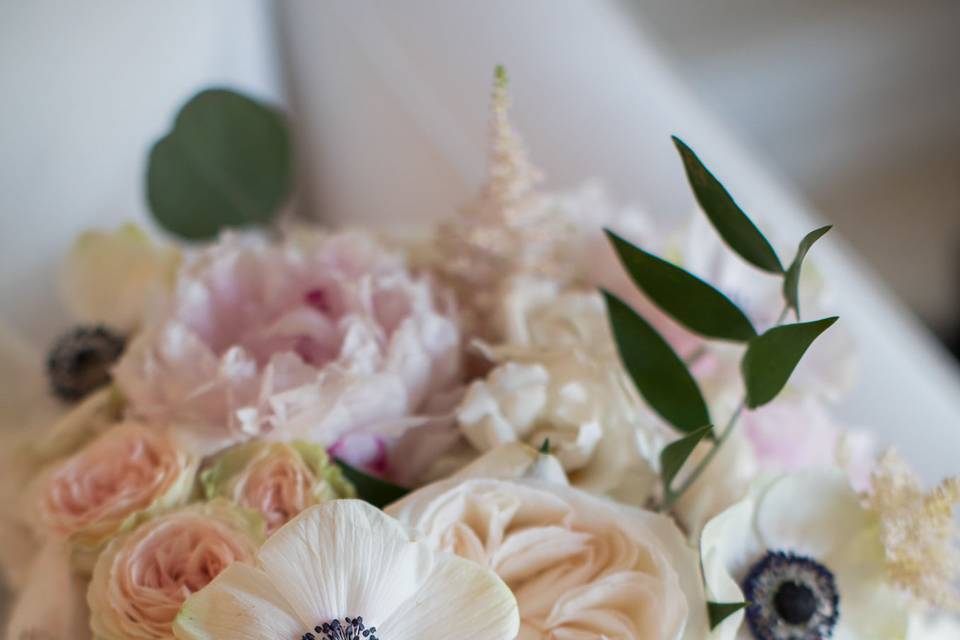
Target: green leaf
688	299
545	447
791	281
720	611
377	492
659	375
771	358
676	453
733	225
225	163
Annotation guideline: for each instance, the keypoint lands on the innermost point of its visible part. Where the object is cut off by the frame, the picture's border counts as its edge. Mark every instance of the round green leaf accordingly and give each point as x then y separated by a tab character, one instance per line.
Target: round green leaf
688	299
733	225
225	163
771	358
659	374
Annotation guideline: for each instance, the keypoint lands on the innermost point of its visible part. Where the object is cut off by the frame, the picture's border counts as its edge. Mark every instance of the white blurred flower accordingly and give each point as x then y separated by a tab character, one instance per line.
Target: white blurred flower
51	605
113	277
808	556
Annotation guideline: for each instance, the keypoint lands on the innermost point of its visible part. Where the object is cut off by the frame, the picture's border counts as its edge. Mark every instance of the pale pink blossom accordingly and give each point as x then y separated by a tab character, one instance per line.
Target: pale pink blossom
317	337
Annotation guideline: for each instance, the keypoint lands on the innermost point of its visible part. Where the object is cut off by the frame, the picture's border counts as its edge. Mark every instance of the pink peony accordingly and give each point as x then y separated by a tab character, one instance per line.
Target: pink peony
320	337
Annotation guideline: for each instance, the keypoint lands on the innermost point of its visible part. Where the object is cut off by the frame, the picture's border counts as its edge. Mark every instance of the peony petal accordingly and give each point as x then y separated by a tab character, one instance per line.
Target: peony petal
459	599
344	558
241	604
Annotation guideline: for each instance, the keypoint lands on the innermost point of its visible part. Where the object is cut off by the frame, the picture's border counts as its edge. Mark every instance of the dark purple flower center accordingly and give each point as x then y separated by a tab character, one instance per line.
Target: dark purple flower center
349	629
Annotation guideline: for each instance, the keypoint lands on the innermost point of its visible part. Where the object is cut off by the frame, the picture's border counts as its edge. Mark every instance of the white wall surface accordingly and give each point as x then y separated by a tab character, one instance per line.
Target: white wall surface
87	87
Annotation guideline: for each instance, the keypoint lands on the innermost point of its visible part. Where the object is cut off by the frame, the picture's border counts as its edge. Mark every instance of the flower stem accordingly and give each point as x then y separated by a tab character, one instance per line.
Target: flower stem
672	496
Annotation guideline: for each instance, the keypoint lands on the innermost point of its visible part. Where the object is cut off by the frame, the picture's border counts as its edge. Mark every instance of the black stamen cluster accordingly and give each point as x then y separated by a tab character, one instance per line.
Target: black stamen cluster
80	361
353	629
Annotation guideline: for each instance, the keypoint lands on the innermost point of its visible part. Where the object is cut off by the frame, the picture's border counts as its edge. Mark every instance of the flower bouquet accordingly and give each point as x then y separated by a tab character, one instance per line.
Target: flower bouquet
545	418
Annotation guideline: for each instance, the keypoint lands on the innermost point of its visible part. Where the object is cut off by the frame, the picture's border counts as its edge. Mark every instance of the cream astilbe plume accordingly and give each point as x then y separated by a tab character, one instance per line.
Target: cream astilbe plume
510	229
918	532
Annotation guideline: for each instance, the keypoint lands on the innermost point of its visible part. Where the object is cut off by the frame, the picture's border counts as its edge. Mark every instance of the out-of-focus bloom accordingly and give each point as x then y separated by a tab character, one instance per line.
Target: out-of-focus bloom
808	556
277	479
580	566
143	577
24	454
320	337
130	470
921	540
346	565
51	604
113	277
557	378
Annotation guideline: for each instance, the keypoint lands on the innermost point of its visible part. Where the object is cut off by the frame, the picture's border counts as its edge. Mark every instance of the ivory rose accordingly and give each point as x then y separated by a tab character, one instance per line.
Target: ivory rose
127	471
143	577
558	378
580	566
321	337
277	479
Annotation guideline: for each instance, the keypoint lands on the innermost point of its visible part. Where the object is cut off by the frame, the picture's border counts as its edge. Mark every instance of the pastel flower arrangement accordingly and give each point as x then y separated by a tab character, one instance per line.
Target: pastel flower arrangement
544	419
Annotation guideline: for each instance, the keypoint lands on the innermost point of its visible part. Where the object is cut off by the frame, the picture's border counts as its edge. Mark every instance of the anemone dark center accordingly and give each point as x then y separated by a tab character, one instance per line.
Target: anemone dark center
791	597
349	629
796	603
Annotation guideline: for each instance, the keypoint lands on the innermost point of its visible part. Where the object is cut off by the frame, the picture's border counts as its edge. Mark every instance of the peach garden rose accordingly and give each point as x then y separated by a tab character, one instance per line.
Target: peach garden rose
143	577
279	480
128	471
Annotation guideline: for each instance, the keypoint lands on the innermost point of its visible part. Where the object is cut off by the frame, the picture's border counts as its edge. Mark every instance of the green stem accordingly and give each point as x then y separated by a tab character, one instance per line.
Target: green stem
672	496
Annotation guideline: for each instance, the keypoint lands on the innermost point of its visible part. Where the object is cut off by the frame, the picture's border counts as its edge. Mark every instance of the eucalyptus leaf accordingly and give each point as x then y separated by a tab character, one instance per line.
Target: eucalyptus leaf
675	454
659	374
688	299
791	281
733	225
377	492
226	163
771	358
720	611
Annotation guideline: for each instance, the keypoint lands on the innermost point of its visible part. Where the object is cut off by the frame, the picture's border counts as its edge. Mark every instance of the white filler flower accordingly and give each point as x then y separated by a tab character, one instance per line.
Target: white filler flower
344	570
808	556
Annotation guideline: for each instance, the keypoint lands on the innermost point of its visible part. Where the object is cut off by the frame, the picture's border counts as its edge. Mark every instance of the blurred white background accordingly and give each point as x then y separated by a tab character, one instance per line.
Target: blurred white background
852	105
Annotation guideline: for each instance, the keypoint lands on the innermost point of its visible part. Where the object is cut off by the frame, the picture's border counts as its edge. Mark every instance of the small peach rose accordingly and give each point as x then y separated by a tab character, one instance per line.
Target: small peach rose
279	480
143	577
128	470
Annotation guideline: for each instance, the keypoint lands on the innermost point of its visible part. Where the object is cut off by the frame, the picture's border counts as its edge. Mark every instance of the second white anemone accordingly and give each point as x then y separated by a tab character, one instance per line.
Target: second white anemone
344	569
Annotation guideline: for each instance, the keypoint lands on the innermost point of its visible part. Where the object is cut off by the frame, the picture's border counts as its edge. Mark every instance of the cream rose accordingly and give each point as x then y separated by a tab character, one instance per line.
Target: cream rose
558	378
279	480
127	471
580	566
143	577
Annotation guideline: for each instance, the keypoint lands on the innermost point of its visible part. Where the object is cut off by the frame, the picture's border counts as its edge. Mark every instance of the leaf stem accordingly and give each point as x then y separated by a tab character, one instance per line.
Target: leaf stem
671	496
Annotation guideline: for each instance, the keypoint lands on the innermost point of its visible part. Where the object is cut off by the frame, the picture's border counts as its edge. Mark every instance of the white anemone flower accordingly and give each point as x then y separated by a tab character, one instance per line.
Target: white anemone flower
808	556
344	570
